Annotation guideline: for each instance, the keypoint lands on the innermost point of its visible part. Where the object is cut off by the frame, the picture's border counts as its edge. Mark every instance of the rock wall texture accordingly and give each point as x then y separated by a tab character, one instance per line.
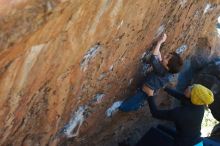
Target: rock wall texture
63	63
18	18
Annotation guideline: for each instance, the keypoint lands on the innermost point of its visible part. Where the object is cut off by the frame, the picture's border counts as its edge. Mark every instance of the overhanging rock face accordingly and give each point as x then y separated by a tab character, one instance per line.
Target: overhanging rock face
58	77
18	18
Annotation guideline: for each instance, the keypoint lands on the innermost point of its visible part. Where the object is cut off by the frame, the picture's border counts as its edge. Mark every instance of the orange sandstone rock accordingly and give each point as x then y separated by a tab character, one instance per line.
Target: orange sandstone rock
58	57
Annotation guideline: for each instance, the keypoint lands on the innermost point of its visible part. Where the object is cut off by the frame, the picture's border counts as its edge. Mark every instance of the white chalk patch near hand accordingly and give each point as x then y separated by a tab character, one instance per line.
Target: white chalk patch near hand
183	2
218	31
113	109
160	30
208	8
181	49
99	97
218	27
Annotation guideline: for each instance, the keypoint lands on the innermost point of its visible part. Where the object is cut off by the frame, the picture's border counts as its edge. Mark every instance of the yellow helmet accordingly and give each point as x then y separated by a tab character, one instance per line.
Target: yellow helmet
200	95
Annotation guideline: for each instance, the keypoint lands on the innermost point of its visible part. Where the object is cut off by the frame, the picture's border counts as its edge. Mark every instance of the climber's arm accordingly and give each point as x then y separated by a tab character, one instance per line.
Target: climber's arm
156	50
157	113
169	115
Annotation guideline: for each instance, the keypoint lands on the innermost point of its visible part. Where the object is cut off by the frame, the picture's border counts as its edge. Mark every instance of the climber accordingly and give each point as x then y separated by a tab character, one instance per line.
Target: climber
163	69
187	117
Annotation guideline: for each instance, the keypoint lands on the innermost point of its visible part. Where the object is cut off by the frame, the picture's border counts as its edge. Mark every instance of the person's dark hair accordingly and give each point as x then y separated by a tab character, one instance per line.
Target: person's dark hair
175	63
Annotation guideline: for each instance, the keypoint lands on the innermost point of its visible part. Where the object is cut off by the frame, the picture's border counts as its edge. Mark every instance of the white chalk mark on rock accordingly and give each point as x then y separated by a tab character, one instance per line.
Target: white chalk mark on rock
116	9
102	76
73	127
130	81
99	97
89	55
160	30
143	55
181	49
113	109
218	31
207	8
197	14
218	27
31	58
99	14
183	2
49	6
111	67
120	24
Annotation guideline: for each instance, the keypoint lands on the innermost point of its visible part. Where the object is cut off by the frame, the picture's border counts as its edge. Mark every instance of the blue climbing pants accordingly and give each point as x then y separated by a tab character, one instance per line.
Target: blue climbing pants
133	103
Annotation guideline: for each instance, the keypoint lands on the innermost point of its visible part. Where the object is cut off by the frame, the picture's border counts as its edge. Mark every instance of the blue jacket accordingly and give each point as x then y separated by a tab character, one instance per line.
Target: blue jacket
159	77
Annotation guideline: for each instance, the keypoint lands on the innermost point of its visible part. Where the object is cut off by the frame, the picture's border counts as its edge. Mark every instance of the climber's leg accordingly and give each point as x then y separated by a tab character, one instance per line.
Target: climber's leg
133	103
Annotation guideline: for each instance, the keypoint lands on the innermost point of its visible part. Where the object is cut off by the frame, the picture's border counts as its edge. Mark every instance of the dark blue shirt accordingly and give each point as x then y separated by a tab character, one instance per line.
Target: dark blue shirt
159	76
187	118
